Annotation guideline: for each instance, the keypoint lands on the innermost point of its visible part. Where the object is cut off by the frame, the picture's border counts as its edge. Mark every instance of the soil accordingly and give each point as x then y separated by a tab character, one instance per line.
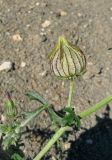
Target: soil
28	32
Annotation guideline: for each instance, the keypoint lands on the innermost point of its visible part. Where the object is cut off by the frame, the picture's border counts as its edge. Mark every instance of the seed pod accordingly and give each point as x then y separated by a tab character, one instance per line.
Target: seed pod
67	60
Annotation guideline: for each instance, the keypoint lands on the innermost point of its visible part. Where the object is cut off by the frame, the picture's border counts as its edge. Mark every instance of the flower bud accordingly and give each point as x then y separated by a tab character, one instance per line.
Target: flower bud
10	108
67	60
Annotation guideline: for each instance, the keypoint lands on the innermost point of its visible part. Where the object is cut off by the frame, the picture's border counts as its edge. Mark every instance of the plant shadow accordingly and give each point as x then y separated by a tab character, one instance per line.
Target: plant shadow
95	143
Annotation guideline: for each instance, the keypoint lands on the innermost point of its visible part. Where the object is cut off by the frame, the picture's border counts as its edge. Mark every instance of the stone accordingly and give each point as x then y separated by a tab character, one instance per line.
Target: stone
6	66
37	4
17	37
46	23
23	64
63	13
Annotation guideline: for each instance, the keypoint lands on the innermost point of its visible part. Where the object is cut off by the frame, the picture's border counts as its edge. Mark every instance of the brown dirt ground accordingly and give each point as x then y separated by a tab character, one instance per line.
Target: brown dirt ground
89	20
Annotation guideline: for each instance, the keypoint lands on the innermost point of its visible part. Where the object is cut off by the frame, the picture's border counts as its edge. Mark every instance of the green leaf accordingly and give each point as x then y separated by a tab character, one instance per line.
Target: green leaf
54	117
31	115
77	121
16	156
10	139
4	128
70	118
10	136
36	96
8	128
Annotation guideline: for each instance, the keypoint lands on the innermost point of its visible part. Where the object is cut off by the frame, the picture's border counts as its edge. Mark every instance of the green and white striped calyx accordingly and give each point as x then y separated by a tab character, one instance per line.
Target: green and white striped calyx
67	60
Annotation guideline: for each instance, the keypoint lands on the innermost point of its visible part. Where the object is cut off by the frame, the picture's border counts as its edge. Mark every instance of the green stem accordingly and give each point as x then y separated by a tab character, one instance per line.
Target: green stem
95	107
47	147
70	93
62	130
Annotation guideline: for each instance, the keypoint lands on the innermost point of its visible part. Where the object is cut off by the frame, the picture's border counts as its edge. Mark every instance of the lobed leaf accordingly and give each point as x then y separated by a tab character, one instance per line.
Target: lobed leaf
36	96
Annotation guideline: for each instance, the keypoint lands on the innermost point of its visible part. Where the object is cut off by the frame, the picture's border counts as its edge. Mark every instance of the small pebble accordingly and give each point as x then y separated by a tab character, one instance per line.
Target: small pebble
63	13
29	11
37	4
90	20
42	29
6	66
85	25
67	146
47	91
24	151
43	73
7	33
79	14
63	84
23	64
3	118
90	63
51	12
46	24
17	37
8	10
111	8
53	158
28	25
42	33
107	68
84	47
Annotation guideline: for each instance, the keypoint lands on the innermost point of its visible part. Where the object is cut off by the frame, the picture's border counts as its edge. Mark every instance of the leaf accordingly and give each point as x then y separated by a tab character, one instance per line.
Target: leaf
70	118
10	136
36	96
77	121
10	139
54	117
16	156
4	128
31	115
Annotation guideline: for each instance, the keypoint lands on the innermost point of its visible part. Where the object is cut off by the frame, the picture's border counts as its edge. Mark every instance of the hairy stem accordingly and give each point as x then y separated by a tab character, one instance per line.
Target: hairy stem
47	147
70	93
95	107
